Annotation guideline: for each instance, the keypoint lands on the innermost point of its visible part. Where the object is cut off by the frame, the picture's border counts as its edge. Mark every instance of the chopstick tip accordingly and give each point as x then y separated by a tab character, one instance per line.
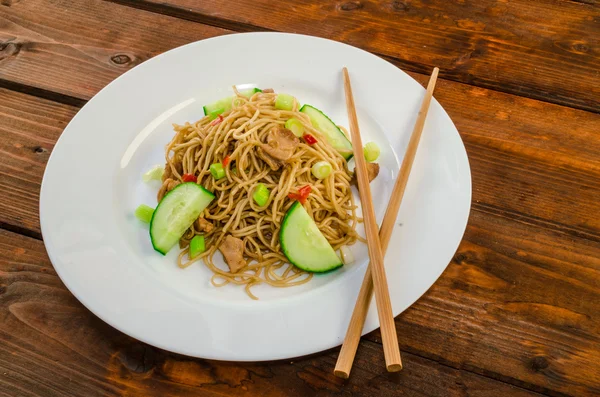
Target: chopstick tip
341	374
394	367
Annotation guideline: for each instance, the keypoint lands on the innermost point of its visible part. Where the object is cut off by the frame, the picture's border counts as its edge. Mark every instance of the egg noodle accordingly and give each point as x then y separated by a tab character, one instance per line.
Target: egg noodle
236	134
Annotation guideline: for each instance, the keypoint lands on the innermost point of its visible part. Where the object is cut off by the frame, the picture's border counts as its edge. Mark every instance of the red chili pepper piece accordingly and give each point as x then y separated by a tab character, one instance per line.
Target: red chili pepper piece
302	194
308	138
305	190
189	178
226	161
297	197
217	120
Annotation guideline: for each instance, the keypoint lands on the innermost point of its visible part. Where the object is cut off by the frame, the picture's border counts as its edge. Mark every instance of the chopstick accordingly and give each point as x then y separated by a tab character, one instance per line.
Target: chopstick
348	351
389	338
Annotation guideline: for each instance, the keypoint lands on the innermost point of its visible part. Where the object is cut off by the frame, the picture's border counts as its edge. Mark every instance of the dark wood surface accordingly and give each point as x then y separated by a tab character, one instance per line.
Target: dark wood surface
544	49
517	312
53	346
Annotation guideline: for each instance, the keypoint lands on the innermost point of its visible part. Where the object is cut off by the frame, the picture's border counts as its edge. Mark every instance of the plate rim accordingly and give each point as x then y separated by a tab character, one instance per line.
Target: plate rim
59	269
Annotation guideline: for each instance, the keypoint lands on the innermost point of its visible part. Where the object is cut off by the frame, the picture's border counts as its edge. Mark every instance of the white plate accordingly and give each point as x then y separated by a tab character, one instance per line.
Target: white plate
93	183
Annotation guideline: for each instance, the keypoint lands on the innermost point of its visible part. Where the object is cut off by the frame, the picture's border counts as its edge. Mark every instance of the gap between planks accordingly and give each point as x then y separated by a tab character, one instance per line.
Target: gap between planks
483	208
42	93
240	27
512	382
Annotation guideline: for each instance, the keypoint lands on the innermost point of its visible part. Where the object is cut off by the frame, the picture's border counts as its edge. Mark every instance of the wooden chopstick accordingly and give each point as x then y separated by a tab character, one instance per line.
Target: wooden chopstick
382	297
346	357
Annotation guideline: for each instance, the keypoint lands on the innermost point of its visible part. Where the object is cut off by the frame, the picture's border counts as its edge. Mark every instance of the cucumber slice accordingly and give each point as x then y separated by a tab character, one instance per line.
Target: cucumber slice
334	135
303	243
175	214
223	105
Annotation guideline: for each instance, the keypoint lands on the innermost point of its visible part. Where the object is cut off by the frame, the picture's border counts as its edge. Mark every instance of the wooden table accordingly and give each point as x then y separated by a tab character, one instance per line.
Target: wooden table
516	313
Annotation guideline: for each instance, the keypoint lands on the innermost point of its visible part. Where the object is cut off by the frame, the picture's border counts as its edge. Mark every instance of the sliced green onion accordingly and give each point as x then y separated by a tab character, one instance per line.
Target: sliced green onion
144	213
215	113
284	102
217	170
261	194
295	126
346	255
371	151
155	173
321	169
196	246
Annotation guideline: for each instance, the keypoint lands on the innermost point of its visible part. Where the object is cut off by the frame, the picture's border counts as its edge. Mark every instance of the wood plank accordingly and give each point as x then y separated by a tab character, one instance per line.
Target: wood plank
515	135
53	346
557	148
76	48
29	128
546	50
539	139
516	299
520	300
529	159
535	168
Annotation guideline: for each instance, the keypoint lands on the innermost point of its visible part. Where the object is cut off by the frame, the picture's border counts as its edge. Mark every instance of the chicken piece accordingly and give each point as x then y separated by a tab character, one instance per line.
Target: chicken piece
268	91
372	171
202	225
271	162
281	144
232	249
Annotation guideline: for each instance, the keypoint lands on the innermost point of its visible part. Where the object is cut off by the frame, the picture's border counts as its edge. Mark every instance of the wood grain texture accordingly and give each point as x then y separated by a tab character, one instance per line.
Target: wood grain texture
520	300
525	165
515	299
528	159
543	169
76	48
53	346
29	128
548	49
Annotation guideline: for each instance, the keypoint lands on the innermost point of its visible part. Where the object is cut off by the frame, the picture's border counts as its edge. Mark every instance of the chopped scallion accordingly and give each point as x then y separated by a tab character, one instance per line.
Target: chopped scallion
144	213
371	151
261	194
155	173
215	113
196	246
284	102
217	170
321	169
295	126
